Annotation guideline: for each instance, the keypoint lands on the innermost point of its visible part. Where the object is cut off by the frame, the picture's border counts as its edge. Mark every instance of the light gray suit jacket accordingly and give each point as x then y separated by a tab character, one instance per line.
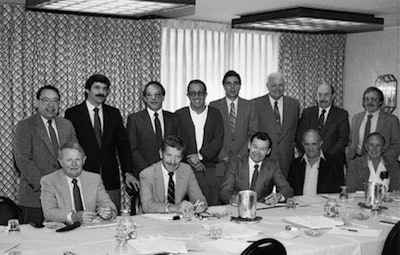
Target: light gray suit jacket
152	189
236	143
388	126
34	156
283	140
56	199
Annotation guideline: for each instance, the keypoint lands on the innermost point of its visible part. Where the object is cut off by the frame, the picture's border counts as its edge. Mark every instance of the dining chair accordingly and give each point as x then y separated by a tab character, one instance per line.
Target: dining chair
135	201
8	210
265	246
392	243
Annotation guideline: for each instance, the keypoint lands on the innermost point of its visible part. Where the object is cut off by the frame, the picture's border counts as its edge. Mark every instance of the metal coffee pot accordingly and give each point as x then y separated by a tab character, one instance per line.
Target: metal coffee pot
247	202
373	193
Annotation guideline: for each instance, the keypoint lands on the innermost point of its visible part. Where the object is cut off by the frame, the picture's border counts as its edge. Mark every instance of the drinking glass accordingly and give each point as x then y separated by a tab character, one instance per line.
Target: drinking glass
215	231
344	195
188	214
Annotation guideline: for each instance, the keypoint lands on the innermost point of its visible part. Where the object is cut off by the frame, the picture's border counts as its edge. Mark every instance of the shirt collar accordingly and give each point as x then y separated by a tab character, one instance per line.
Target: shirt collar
327	109
91	107
228	101
280	100
321	156
151	112
194	112
375	114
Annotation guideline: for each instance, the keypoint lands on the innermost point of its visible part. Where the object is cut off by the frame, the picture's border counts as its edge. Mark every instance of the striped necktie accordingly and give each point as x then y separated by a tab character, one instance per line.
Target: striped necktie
171	189
232	117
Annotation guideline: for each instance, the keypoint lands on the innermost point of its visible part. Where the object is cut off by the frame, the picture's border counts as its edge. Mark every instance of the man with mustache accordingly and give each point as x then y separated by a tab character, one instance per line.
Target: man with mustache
374	119
166	184
330	121
102	135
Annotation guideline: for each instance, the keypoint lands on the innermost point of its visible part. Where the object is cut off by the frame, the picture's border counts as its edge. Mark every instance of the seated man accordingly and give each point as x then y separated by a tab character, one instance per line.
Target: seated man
255	172
373	167
165	184
315	172
71	194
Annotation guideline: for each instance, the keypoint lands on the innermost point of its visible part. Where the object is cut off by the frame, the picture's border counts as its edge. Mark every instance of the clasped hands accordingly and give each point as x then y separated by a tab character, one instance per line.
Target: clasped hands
271	199
195	162
106	213
183	206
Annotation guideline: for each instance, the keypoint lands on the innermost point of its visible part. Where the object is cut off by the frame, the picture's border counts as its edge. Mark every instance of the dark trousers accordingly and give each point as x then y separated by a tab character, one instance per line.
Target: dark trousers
206	182
32	215
115	196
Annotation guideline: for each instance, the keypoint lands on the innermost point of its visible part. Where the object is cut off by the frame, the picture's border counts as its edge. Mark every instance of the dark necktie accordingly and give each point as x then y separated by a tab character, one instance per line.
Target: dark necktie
232	117
321	120
276	113
77	196
366	133
97	126
171	189
157	124
53	137
254	178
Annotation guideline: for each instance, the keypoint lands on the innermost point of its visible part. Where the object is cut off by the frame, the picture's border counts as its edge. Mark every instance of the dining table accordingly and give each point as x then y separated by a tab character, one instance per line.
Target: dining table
173	234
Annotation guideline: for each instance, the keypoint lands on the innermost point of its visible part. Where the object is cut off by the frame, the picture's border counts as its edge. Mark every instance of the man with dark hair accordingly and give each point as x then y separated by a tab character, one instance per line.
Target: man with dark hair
374	119
166	184
101	133
256	172
315	172
330	121
71	194
278	115
35	145
203	134
240	122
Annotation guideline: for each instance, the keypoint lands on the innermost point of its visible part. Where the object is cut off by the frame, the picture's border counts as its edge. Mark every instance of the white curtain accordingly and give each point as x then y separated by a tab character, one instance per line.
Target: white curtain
206	51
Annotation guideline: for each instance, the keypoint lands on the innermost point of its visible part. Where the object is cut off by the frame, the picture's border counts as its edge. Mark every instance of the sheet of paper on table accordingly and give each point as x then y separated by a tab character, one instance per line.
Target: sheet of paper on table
313	222
157	245
353	231
7	246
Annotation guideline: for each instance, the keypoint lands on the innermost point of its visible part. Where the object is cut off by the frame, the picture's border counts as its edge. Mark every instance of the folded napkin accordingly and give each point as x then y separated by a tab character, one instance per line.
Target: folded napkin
353	231
157	245
160	216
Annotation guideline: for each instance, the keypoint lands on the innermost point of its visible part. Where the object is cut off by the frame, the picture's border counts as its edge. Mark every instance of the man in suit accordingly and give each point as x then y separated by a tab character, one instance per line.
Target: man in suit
35	145
72	194
374	166
315	172
203	135
146	130
256	172
278	116
101	133
166	184
240	123
374	119
330	121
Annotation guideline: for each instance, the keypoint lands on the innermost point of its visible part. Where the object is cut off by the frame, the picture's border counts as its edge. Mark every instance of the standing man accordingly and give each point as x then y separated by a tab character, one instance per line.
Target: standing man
35	145
240	122
331	122
278	116
147	128
102	135
374	119
203	135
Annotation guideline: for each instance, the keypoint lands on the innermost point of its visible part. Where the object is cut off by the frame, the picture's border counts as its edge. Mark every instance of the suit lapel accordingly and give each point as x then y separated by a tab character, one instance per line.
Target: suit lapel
381	121
147	125
64	189
330	119
244	167
224	111
87	124
180	189
240	114
262	176
42	131
159	182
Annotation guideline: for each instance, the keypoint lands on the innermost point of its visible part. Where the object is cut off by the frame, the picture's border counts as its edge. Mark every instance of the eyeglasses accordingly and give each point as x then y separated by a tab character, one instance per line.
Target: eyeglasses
47	101
156	95
198	94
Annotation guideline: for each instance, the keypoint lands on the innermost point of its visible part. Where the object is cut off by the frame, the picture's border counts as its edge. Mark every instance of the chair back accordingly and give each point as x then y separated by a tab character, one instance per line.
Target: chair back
266	246
8	210
392	243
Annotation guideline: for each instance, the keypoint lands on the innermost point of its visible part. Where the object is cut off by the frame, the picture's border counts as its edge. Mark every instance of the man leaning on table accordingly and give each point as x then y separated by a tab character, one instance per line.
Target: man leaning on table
256	172
165	185
72	194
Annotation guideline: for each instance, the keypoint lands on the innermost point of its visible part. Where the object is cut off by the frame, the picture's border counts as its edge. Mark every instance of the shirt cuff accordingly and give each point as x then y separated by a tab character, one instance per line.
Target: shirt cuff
200	157
167	208
69	217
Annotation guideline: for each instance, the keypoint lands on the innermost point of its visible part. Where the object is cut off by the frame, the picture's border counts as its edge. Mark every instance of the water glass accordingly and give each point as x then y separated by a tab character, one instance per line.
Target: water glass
188	214
13	225
347	217
290	204
215	231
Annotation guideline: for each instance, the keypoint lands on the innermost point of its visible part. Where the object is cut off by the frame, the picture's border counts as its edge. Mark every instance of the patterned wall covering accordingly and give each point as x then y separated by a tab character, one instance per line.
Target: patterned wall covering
308	59
64	50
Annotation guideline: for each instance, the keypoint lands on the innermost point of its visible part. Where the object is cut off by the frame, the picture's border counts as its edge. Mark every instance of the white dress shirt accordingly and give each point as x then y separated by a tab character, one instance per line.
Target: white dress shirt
160	117
91	114
374	123
53	124
326	112
280	105
374	176
235	102
251	169
311	176
199	122
166	180
71	195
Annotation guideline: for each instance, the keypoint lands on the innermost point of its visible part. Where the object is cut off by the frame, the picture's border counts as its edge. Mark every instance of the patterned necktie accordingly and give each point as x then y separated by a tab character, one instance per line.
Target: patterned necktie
77	196
232	117
254	178
97	126
321	120
276	113
157	124
53	138
171	189
366	133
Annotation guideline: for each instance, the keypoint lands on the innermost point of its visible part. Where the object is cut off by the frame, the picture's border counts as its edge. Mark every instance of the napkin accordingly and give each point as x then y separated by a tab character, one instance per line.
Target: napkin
157	245
352	231
235	231
160	216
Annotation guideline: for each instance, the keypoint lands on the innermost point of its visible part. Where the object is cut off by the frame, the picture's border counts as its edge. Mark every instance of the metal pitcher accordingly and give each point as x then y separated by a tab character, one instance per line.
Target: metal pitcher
373	193
247	204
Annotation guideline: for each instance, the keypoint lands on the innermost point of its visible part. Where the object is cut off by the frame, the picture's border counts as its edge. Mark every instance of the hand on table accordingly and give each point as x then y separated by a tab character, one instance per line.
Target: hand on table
105	213
273	198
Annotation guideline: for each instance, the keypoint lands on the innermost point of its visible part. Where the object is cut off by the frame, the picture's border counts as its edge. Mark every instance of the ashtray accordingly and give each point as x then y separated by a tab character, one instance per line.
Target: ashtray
362	205
313	232
240	219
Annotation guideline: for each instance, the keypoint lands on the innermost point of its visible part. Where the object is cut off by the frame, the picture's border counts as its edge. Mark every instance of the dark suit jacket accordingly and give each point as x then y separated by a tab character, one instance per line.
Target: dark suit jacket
213	135
282	140
152	189
335	134
114	139
34	155
237	179
145	150
330	175
358	173
388	126
56	199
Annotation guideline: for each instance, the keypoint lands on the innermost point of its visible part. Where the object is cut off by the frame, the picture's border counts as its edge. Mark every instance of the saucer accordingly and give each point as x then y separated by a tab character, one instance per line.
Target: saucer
240	219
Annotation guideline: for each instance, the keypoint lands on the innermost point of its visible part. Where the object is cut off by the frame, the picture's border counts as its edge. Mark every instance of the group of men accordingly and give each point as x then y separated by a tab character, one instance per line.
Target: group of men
203	153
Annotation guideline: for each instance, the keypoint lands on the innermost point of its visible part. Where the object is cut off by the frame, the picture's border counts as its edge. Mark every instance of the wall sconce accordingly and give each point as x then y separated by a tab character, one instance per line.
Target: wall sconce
387	83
